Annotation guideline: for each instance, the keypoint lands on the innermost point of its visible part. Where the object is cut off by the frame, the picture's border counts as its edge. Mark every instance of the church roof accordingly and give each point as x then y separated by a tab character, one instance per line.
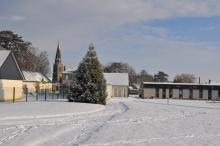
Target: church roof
58	53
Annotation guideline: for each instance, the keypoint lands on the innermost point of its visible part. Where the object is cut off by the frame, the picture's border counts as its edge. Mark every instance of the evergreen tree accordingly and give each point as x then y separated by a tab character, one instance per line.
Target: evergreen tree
90	85
161	77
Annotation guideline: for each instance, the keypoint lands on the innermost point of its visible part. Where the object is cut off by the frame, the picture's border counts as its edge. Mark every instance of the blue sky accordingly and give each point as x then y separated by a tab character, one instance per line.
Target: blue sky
175	36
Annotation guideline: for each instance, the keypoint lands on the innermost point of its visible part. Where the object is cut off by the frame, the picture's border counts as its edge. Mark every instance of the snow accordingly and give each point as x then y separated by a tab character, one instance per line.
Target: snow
191	84
122	122
116	79
34	76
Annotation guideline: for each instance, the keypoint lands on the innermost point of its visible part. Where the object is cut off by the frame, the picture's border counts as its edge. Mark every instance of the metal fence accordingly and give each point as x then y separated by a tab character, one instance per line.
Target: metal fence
44	95
15	94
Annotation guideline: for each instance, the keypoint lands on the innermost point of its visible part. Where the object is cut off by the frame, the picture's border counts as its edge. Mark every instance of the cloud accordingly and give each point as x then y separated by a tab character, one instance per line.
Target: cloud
12	18
17	18
114	27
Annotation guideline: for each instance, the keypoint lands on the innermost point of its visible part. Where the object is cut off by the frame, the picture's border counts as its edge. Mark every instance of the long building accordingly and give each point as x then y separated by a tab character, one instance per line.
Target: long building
180	90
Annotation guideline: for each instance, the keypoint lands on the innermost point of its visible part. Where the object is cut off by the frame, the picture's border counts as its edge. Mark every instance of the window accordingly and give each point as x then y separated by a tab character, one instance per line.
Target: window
191	93
181	93
170	93
200	93
157	92
218	92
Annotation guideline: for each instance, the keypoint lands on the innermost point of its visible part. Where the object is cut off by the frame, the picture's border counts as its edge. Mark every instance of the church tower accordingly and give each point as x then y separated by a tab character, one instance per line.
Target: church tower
58	67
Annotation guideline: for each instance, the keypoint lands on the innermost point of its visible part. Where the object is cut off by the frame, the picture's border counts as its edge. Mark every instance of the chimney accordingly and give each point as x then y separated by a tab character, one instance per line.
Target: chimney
210	81
199	80
64	68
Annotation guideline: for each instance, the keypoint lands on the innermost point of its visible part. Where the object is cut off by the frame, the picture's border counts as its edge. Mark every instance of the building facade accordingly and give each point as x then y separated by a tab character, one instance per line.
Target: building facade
180	91
117	84
11	77
58	66
36	82
68	77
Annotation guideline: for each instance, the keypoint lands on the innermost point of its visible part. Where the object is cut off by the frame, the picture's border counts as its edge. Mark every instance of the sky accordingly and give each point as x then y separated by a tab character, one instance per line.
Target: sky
174	36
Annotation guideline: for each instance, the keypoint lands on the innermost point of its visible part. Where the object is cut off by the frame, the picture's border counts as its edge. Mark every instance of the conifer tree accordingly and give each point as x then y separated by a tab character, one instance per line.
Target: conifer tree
90	86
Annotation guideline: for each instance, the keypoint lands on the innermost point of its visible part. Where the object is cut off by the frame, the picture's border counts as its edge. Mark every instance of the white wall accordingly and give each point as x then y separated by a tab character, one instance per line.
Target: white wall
195	94
167	93
149	92
205	94
7	88
109	91
176	93
32	86
160	93
185	93
214	94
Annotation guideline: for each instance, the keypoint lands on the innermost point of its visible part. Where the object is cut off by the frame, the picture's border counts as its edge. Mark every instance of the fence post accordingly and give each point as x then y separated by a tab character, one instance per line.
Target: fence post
26	93
14	95
37	95
52	94
45	94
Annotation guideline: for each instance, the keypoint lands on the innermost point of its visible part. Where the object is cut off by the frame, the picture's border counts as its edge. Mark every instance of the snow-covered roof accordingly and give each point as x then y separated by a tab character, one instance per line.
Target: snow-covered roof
34	76
3	55
169	83
117	79
69	70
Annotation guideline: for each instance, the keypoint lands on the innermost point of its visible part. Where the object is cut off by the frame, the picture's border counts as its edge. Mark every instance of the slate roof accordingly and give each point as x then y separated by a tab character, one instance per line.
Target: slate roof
35	76
120	79
3	55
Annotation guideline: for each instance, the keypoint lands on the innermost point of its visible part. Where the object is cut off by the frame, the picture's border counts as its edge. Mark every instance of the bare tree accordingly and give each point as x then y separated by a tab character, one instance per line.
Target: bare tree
28	57
184	78
144	76
119	67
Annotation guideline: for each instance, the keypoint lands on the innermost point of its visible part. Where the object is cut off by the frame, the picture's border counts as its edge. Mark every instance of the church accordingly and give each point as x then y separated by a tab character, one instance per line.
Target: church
117	83
58	67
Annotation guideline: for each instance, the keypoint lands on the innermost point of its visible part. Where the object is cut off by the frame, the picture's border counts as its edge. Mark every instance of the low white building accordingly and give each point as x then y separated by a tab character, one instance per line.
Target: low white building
181	90
117	84
36	81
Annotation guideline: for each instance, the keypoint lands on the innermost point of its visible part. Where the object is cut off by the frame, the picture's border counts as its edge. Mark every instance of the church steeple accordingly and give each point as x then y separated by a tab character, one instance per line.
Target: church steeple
58	54
58	67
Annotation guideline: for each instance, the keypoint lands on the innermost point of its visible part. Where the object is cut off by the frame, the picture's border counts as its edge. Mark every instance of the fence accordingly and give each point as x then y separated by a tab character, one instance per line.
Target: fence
15	94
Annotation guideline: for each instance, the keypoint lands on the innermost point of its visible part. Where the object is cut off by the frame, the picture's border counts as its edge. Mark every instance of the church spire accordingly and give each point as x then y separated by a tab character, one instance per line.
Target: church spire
58	66
58	53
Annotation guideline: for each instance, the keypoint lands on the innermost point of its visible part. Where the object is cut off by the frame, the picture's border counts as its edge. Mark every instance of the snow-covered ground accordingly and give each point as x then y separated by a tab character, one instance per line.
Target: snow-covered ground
122	122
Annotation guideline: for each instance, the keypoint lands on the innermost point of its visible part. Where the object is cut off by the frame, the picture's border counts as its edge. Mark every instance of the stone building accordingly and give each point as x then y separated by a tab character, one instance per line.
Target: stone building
58	66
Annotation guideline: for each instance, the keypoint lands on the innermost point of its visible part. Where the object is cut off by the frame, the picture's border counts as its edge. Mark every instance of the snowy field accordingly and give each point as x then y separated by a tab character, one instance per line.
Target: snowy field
123	122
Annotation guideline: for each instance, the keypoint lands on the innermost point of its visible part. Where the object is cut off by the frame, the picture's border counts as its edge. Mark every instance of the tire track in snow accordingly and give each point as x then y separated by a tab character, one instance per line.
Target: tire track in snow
153	140
23	124
22	129
124	108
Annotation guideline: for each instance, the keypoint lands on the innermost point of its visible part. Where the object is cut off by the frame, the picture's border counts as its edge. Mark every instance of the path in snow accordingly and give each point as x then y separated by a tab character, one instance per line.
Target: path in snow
122	122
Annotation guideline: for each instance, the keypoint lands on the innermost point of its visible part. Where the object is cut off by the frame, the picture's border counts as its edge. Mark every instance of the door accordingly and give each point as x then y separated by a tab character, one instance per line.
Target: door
119	92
